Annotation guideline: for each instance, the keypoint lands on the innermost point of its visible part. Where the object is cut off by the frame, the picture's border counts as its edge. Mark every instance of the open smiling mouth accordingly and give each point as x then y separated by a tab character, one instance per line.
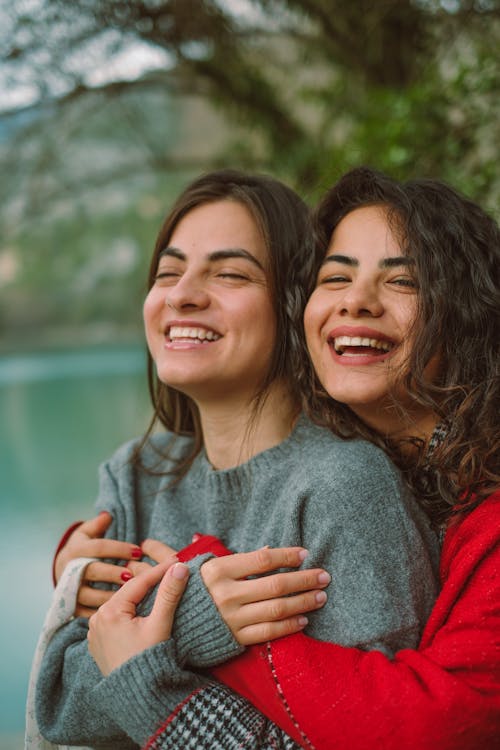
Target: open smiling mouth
192	335
355	346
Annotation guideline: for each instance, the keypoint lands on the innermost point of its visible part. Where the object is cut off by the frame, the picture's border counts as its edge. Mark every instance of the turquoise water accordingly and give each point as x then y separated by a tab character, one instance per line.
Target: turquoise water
61	414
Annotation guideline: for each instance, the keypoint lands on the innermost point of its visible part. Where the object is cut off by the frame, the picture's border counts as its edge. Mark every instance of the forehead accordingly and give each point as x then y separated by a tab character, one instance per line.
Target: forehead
365	233
219	225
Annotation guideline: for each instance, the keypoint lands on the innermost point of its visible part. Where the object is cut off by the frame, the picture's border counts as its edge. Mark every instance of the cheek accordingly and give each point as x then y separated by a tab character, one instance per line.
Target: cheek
312	323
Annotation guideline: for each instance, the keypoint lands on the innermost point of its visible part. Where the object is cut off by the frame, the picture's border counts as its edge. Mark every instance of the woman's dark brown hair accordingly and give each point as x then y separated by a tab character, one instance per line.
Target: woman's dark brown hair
284	222
456	249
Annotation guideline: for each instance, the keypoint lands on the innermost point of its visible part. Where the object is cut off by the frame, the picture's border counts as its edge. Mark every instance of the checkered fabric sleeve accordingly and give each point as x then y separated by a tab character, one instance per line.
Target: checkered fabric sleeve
214	718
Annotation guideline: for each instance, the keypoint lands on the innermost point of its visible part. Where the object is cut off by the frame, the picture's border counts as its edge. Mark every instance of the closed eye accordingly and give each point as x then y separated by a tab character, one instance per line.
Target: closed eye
405	281
334	279
232	275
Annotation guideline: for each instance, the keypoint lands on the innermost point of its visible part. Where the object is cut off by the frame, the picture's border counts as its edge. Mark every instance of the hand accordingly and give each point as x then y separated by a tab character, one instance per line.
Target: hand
261	609
87	541
156	551
116	633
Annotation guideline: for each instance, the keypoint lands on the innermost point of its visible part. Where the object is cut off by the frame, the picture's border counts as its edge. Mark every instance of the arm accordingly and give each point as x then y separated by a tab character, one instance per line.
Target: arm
119	640
68	707
445	694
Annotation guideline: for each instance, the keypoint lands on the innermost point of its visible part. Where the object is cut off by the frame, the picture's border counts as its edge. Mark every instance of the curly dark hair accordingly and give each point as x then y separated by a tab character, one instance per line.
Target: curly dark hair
456	249
284	222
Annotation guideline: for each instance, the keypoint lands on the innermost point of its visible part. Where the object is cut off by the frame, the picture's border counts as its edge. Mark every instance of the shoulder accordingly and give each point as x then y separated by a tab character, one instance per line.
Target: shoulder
159	450
342	462
475	535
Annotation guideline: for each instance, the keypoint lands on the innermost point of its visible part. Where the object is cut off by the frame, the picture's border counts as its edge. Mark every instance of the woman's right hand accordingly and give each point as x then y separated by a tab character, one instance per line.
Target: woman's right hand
86	541
268	606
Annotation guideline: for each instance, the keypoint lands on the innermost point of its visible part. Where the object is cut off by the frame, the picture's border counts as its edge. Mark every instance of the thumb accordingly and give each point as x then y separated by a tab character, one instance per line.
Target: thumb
97	526
170	590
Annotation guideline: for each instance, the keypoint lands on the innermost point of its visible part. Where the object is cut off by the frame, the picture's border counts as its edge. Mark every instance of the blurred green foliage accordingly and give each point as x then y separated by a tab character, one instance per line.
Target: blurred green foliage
305	89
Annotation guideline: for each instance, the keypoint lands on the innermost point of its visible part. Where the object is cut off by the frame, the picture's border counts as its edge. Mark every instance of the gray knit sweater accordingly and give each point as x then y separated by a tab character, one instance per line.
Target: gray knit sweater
342	500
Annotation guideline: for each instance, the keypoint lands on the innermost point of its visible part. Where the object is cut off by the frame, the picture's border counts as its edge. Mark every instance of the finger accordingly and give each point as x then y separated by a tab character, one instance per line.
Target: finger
98	525
269	631
93	598
105	573
136	568
84	611
136	589
113	549
157	551
263	560
280	584
274	610
169	595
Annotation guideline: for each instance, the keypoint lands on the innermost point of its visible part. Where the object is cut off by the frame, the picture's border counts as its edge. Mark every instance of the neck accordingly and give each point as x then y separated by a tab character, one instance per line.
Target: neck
390	423
233	433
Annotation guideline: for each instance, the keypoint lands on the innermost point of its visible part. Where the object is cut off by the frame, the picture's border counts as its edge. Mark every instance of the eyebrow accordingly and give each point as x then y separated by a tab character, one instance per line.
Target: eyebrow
394	262
236	252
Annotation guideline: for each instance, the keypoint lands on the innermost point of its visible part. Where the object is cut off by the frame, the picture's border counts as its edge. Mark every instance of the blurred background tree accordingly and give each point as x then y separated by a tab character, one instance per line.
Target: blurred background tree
110	106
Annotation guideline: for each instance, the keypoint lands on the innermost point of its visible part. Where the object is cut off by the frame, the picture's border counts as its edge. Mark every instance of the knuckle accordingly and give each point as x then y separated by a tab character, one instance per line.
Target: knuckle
267	632
263	559
276	586
277	610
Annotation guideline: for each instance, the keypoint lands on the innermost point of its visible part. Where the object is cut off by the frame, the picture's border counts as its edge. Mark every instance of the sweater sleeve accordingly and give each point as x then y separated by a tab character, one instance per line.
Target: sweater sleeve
445	694
69	708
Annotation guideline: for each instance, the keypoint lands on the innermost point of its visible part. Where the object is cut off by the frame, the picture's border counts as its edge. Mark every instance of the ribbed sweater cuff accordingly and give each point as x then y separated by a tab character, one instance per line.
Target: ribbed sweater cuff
201	636
141	694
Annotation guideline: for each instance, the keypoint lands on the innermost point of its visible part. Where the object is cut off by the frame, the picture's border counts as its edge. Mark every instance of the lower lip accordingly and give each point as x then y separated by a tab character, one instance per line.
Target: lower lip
347	360
187	345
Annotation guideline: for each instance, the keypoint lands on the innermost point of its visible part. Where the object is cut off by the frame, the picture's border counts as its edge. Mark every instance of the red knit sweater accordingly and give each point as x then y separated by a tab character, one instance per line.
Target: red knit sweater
443	696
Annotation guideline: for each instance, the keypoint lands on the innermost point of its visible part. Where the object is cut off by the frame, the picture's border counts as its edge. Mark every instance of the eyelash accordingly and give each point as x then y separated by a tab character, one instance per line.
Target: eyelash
407	282
337	279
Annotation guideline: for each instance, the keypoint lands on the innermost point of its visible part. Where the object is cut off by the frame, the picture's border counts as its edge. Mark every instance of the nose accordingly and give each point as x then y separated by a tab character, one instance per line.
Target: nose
361	299
187	293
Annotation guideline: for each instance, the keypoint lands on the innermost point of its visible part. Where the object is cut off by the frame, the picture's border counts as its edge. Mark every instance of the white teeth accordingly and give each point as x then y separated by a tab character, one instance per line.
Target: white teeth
181	332
341	342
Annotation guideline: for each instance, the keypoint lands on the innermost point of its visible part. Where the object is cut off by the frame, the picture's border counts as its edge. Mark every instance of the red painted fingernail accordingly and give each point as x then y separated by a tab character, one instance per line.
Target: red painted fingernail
137	553
126	576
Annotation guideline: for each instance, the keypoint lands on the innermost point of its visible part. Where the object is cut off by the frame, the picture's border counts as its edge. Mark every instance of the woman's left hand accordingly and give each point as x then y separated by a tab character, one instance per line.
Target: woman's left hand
116	633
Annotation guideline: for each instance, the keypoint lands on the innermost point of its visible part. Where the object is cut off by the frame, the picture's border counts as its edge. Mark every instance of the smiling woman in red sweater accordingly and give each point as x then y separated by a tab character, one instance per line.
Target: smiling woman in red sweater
402	328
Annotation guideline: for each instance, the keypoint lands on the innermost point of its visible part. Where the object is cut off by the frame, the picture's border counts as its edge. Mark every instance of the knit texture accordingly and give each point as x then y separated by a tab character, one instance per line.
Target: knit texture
444	695
343	500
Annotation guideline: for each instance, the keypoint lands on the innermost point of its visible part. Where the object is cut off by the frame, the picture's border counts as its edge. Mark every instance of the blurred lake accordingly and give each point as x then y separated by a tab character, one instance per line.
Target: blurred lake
61	414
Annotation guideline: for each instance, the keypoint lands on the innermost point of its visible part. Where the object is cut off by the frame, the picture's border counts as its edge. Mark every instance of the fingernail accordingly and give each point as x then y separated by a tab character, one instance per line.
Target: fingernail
126	576
303	554
196	537
136	553
180	571
324	577
103	513
320	597
302	621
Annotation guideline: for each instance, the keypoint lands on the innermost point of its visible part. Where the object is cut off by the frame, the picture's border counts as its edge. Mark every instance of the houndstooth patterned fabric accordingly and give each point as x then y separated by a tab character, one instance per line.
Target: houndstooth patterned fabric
199	723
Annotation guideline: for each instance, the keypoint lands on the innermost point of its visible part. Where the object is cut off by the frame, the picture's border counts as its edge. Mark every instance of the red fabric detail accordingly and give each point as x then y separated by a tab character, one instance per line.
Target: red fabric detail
151	741
250	675
445	694
61	544
204	544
